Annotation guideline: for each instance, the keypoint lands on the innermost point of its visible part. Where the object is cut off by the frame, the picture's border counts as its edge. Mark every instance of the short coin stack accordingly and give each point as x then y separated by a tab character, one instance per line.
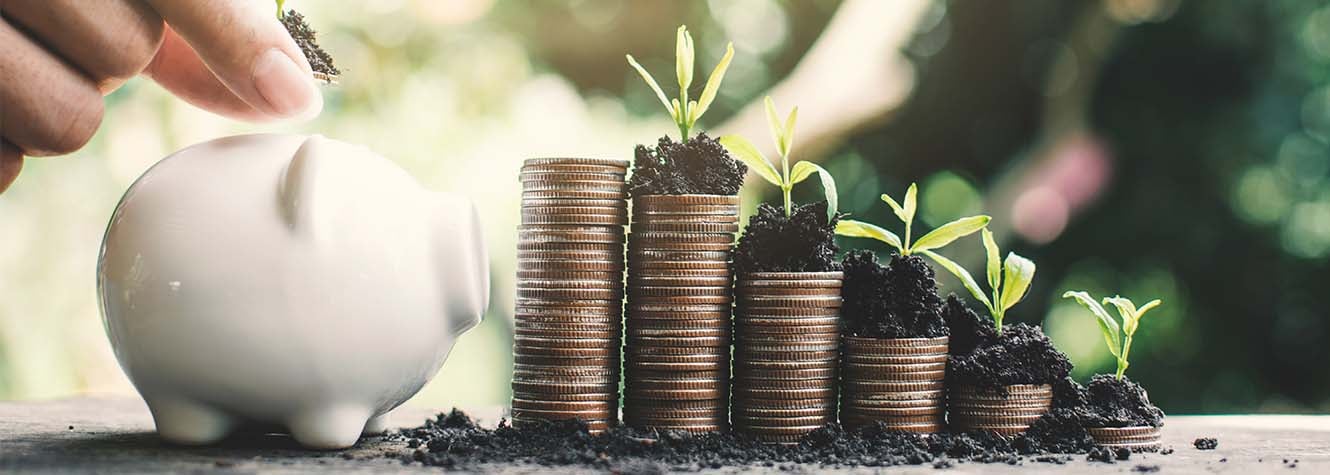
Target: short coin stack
786	348
569	291
896	381
987	409
1134	438
677	323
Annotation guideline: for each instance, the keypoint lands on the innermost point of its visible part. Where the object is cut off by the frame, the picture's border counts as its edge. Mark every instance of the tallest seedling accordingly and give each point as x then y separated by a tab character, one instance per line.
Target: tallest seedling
684	111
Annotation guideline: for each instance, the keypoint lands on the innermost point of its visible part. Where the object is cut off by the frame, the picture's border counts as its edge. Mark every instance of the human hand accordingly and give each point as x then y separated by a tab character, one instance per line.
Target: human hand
60	57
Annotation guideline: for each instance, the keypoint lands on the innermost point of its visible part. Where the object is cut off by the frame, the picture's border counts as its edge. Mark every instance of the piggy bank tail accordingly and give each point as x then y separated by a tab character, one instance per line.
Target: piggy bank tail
463	261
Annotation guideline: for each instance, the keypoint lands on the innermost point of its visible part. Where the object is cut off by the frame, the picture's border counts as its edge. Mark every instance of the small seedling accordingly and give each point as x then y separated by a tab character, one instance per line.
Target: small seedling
938	238
1117	338
1009	280
785	178
281	12
685	112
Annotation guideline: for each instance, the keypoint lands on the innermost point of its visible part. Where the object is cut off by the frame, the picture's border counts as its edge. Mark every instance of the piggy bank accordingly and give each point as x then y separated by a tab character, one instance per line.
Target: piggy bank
286	281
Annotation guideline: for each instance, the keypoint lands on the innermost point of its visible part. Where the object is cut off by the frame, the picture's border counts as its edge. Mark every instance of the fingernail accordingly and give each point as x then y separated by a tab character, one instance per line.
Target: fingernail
288	89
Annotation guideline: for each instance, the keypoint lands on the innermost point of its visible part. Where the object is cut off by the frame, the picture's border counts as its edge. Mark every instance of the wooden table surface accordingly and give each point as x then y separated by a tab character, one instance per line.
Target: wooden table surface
116	435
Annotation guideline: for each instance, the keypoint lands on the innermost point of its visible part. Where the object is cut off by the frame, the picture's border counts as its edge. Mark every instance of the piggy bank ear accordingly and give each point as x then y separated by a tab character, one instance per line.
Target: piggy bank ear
300	183
462	259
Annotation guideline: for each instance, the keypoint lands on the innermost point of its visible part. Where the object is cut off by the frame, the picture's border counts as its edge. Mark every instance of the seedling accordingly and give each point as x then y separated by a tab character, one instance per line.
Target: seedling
938	238
1009	280
685	112
785	177
320	62
1117	338
281	12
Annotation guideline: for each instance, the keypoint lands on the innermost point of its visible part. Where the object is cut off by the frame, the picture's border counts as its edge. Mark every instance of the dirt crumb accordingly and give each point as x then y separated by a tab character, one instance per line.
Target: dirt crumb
306	38
700	166
1205	443
803	242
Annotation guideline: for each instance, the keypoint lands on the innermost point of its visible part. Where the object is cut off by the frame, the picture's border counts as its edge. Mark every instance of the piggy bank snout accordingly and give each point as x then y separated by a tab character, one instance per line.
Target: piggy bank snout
462	260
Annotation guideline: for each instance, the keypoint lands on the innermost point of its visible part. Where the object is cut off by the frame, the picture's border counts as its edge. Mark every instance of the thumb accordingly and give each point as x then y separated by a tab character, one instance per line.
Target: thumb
244	45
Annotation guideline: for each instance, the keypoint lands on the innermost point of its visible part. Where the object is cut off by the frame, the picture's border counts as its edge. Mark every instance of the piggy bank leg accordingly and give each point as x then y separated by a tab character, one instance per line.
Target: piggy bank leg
189	423
377	425
329	428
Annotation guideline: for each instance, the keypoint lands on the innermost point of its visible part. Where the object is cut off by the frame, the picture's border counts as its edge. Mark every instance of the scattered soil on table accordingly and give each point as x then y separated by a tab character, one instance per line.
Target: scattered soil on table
699	166
1205	443
319	60
896	301
454	441
803	242
1022	354
1124	403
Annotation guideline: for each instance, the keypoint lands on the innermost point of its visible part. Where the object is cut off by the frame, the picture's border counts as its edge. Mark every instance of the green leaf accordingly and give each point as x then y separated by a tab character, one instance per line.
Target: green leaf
911	202
994	260
773	123
789	129
748	154
1016	280
895	207
683	57
966	279
852	228
677	112
1127	310
1140	312
280	10
950	232
655	87
802	170
1106	324
713	82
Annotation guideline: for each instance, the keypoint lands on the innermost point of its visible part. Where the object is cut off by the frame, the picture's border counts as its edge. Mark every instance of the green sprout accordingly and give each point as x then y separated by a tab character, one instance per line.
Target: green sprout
1117	338
685	112
1009	280
280	11
785	178
940	237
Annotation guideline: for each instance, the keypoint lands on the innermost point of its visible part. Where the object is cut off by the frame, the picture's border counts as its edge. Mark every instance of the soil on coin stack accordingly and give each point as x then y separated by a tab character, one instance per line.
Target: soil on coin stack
1114	403
699	166
306	38
981	357
454	441
896	301
803	242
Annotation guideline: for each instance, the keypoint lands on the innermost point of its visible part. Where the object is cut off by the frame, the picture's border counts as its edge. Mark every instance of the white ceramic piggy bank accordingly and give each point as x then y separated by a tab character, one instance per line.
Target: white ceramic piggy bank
286	280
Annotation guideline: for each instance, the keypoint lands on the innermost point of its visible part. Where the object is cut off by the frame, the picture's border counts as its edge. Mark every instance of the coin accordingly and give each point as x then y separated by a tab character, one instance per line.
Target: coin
568	176
763	383
672	291
605	361
871	345
694	210
591	352
833	301
635	245
560	161
745	308
569	265
694	199
586	194
741	391
683	238
783	324
770	292
809	373
569	406
676	227
746	282
638	331
672	394
785	276
646	384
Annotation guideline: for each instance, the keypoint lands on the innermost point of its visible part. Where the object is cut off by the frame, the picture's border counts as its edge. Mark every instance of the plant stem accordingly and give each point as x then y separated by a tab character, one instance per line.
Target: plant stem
997	320
1122	362
905	246
785	176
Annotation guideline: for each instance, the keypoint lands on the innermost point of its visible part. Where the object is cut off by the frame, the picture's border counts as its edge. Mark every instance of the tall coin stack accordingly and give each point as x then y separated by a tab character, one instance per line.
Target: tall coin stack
1008	410
786	350
895	381
570	263
677	354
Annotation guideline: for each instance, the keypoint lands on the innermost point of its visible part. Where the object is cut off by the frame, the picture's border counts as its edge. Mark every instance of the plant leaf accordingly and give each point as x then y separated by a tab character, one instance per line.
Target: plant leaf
994	260
789	129
683	57
802	170
852	228
950	232
1126	310
677	112
966	279
748	154
911	202
692	113
1140	312
895	207
655	87
773	124
713	82
1019	272
1106	324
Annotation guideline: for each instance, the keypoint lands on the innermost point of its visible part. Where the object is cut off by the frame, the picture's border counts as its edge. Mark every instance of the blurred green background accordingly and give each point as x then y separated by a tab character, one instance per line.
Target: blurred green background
1154	148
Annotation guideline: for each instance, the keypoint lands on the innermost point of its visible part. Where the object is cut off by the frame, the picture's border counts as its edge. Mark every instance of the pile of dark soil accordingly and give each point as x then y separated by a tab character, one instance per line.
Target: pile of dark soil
1022	354
319	60
896	301
1124	403
1205	443
699	166
803	242
454	441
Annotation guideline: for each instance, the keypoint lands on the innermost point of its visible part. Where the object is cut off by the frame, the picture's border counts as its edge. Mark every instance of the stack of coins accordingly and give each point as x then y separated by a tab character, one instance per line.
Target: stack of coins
569	291
1134	438
677	322
786	347
895	381
988	409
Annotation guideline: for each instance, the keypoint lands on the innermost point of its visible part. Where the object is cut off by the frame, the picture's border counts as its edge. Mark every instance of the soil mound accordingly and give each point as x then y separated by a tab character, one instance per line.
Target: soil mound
699	166
1124	403
803	242
896	301
1021	354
